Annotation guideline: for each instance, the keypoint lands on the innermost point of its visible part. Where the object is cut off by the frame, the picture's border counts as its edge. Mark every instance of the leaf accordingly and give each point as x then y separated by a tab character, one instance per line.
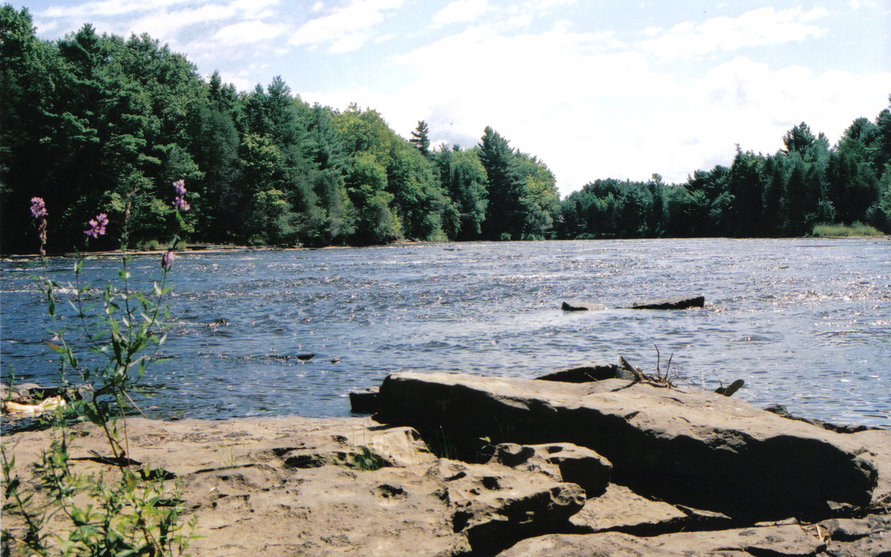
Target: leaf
12	486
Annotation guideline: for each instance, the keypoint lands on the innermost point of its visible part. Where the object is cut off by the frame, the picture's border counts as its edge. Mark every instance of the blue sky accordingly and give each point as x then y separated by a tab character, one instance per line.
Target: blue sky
595	89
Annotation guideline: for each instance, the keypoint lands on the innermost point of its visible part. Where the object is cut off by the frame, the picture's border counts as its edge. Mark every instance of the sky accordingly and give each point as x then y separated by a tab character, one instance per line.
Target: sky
594	89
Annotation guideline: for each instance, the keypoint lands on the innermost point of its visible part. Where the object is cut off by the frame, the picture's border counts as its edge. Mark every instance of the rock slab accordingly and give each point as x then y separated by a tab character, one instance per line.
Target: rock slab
299	486
698	449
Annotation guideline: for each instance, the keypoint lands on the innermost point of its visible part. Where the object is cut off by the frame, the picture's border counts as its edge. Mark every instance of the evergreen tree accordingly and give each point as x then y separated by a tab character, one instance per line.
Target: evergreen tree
420	138
504	215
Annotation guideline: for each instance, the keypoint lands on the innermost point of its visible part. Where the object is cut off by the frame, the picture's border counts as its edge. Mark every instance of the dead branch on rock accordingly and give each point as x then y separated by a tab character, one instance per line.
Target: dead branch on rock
638	376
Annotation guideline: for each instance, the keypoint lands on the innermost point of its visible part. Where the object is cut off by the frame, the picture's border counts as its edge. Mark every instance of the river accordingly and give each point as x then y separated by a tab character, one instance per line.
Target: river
805	322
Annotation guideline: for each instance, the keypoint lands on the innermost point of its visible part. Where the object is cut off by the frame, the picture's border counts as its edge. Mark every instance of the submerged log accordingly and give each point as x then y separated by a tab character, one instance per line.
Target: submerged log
671	303
574	305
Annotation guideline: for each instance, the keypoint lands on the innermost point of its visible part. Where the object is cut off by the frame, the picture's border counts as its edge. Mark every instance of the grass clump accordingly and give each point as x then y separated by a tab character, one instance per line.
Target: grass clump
367	460
857	229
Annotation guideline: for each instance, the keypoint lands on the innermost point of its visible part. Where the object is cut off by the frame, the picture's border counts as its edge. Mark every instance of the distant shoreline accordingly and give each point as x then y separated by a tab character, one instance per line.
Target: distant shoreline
217	248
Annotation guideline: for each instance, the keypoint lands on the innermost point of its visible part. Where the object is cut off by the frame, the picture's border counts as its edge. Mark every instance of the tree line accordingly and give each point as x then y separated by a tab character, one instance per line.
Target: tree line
784	194
101	123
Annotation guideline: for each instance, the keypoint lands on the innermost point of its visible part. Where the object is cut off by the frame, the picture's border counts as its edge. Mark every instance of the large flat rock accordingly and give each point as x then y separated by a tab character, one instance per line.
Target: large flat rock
698	449
300	486
623	510
788	540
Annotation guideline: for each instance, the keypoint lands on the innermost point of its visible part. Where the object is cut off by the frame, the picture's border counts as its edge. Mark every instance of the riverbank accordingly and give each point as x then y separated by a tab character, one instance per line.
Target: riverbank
856	230
456	464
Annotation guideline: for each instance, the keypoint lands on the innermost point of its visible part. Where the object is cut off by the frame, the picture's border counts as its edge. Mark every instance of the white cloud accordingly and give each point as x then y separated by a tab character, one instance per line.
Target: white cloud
247	32
255	9
461	11
164	25
106	8
347	28
239	80
761	27
591	106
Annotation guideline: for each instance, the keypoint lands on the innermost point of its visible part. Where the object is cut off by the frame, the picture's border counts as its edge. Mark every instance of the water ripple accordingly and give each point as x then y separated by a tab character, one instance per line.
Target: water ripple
803	322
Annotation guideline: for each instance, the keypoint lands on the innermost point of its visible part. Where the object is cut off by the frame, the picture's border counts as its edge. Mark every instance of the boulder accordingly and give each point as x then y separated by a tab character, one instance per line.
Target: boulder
781	410
697	449
851	537
561	461
778	541
495	506
671	303
585	374
304	486
364	402
876	445
622	510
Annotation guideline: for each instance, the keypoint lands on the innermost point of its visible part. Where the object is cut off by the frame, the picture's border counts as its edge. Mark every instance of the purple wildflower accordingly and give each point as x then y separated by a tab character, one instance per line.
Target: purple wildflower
38	210
167	260
97	226
38	207
180	187
180	202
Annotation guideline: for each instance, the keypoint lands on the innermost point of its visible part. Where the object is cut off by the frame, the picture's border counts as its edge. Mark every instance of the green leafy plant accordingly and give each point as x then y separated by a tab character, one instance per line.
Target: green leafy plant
366	460
127	509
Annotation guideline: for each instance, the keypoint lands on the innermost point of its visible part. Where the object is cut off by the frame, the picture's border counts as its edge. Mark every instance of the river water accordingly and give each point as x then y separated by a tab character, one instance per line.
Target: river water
805	322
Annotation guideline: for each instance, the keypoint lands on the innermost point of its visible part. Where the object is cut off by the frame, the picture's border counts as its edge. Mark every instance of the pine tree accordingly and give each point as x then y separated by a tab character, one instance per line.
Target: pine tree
420	138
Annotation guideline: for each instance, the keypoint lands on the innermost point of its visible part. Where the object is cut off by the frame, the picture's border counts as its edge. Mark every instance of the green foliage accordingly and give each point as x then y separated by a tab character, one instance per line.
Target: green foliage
366	460
785	194
522	192
465	181
91	118
856	229
131	510
420	138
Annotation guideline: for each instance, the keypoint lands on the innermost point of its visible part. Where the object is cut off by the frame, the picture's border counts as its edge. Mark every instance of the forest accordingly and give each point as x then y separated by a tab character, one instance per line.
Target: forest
98	123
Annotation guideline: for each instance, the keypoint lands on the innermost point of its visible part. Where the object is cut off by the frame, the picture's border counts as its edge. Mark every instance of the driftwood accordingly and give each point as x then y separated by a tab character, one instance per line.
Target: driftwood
638	376
730	389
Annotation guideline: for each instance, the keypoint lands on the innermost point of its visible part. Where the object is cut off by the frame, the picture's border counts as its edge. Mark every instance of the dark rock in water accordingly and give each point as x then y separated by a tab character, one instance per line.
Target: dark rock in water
730	389
581	306
305	357
584	374
364	402
697	449
671	303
